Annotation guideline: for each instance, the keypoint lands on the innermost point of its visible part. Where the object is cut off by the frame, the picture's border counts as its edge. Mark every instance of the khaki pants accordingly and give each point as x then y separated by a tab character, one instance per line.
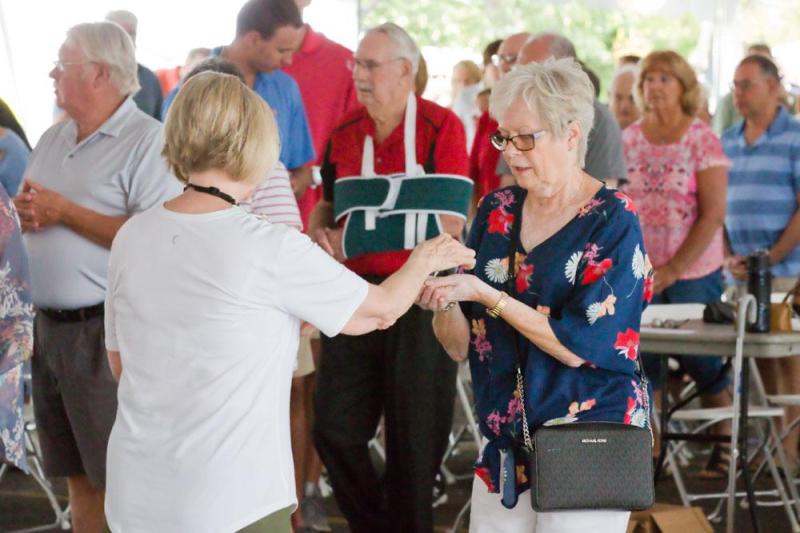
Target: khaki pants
277	522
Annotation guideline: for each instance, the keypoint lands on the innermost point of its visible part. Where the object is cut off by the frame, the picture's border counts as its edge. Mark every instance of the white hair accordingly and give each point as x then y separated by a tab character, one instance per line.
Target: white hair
404	44
558	90
126	19
627	68
107	43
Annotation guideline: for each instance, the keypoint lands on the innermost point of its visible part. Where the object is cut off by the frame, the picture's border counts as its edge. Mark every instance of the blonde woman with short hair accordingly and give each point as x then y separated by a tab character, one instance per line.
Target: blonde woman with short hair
202	324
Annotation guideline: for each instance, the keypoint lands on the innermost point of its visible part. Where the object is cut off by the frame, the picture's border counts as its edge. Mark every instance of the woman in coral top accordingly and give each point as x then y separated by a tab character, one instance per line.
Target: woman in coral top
678	178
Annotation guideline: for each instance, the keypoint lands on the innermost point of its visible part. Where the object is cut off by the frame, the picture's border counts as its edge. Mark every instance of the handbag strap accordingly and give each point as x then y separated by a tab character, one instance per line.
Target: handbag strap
514	241
793	292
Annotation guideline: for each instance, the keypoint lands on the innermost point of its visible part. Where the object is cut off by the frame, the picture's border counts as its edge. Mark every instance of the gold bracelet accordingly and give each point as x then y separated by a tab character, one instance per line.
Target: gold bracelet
497	309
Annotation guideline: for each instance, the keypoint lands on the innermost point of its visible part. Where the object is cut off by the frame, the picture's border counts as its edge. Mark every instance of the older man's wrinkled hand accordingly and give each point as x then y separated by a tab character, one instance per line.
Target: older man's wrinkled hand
443	253
39	207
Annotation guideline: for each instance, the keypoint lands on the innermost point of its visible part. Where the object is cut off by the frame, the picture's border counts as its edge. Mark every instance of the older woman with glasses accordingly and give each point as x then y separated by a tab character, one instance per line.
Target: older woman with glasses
203	313
560	283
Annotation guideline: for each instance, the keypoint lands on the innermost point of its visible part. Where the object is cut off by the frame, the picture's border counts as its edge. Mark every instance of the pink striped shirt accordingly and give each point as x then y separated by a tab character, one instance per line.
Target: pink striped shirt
275	199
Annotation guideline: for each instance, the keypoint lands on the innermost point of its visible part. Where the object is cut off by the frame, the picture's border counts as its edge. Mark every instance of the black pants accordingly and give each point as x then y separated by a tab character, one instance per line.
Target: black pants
404	373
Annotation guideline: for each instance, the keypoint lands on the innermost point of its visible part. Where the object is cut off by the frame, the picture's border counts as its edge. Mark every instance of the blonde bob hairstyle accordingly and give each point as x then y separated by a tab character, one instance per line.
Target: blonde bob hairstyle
673	64
558	90
217	122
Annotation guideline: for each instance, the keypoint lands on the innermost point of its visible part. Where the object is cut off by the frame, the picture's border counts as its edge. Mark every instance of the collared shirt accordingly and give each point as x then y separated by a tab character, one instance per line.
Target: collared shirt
762	188
440	149
116	171
325	103
483	157
280	91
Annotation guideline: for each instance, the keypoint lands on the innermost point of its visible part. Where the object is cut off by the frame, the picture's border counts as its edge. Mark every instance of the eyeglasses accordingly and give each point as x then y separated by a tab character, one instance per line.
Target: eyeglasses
504	58
61	66
523	142
743	85
368	64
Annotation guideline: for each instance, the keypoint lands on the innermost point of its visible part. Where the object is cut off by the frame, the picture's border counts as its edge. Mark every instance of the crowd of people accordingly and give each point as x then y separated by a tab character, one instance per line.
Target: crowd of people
207	329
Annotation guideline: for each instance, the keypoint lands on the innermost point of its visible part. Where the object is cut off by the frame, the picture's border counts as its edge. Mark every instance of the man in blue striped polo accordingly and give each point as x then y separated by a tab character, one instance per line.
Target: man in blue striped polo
763	199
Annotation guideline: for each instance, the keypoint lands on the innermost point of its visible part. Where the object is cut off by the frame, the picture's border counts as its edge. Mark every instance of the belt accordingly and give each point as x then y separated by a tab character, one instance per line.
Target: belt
73	315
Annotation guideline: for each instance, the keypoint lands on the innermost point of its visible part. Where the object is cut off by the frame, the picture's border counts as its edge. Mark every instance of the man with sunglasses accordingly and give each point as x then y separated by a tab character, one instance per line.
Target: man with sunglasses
605	159
395	139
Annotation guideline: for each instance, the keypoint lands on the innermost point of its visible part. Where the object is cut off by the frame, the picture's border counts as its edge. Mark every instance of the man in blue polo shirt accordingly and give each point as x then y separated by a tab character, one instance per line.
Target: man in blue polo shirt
268	32
763	199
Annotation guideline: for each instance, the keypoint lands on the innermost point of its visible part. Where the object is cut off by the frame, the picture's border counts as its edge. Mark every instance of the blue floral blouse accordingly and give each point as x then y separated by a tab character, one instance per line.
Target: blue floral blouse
593	279
16	332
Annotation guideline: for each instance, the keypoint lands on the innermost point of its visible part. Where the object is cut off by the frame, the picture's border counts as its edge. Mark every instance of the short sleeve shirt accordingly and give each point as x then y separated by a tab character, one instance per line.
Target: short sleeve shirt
593	280
440	148
763	184
116	171
205	311
663	183
274	199
280	91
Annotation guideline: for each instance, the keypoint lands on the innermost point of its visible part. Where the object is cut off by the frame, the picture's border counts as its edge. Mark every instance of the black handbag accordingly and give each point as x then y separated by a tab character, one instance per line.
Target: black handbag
585	465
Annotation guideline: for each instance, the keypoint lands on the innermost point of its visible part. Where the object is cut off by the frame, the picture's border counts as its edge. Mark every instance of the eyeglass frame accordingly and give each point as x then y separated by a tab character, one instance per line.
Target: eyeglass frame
61	66
747	84
368	64
504	58
506	140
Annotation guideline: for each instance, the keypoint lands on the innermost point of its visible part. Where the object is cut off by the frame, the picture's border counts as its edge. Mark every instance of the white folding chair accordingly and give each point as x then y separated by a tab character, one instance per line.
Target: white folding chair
703	418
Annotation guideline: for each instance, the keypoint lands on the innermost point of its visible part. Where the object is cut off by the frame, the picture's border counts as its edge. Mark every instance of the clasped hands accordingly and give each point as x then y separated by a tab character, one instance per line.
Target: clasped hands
39	207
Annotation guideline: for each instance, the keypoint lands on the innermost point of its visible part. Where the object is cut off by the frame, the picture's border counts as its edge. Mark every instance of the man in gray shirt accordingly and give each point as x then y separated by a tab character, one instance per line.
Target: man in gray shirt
605	159
85	177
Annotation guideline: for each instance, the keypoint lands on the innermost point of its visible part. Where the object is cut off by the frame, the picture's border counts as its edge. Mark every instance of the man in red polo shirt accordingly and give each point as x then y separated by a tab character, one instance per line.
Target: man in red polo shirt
318	58
400	372
320	69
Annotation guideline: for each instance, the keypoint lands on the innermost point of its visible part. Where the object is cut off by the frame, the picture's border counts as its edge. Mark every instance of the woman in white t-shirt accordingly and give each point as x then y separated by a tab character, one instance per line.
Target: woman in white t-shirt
203	309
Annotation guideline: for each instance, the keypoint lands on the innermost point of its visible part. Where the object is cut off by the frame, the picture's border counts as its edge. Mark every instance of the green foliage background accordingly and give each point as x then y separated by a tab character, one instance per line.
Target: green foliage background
599	35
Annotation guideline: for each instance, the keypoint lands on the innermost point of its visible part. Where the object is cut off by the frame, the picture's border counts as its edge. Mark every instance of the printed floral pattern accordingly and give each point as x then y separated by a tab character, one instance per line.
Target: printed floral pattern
662	180
591	281
572	413
16	332
479	342
628	344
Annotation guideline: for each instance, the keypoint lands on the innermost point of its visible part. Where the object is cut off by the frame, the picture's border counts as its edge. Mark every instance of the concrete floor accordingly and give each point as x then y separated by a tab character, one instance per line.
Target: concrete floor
23	504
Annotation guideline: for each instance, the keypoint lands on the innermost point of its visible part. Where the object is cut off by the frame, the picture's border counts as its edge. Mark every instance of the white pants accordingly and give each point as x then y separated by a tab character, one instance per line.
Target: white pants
489	516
